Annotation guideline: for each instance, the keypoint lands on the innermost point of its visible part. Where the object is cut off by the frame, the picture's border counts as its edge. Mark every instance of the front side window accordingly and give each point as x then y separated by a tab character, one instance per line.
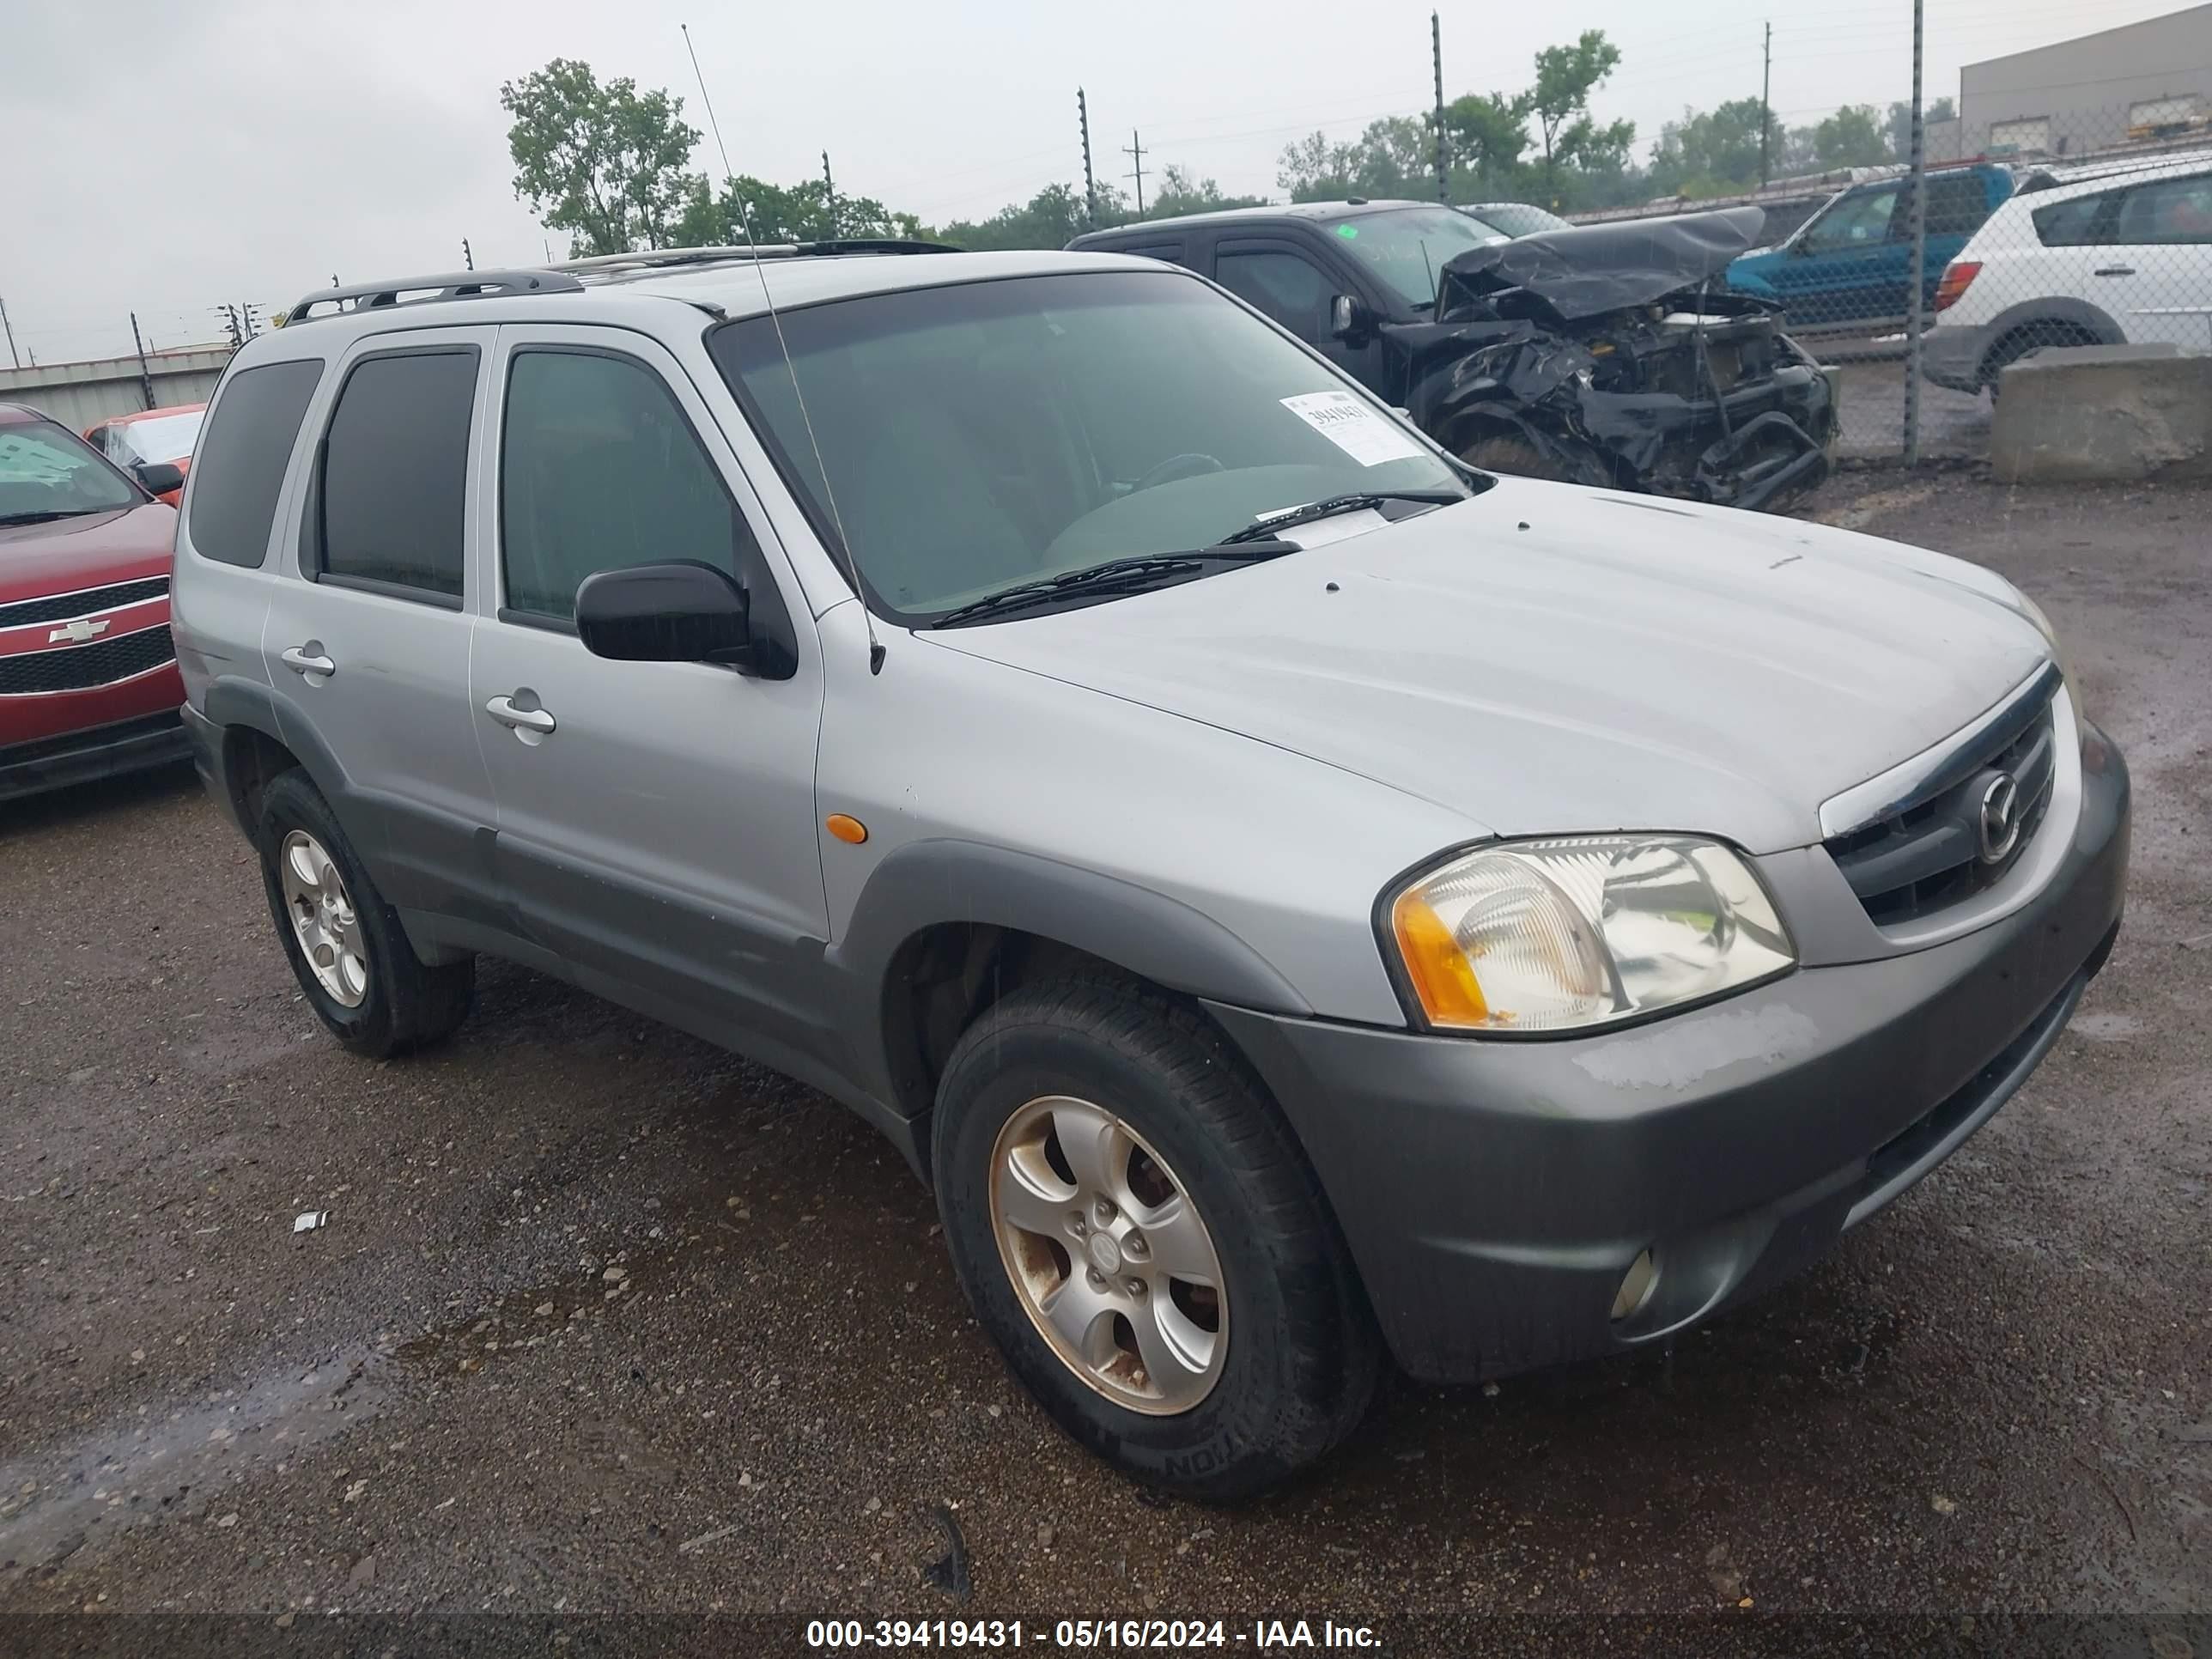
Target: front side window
1407	246
599	471
1860	221
983	434
2172	210
241	465
1284	285
394	472
47	472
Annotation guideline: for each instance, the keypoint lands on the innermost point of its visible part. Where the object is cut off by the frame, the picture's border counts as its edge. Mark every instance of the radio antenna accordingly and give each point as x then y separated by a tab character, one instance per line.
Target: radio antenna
829	491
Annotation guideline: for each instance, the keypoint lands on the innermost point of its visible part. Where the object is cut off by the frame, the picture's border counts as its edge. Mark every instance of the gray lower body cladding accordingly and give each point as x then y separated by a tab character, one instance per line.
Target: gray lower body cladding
1495	1194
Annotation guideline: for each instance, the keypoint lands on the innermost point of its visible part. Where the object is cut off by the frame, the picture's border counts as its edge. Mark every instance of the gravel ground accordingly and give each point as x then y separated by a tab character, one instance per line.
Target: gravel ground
604	1319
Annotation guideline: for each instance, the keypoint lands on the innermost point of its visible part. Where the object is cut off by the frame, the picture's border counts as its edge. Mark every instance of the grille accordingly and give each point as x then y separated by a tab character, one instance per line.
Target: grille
79	668
1926	855
60	607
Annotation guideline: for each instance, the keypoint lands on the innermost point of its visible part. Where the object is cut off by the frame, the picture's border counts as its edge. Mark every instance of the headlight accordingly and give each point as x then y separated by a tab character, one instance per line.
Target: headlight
2033	613
1555	935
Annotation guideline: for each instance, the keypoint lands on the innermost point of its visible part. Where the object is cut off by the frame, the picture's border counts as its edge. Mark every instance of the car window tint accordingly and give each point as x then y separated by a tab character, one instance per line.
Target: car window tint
394	470
2171	210
242	457
1860	223
599	471
2068	224
1957	204
1285	286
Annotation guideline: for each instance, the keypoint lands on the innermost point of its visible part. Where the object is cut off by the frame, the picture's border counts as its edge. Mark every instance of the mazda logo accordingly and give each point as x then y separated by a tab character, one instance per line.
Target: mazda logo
2000	823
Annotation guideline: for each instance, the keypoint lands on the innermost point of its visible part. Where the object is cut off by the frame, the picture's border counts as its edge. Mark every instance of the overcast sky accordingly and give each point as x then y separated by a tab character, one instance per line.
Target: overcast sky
165	155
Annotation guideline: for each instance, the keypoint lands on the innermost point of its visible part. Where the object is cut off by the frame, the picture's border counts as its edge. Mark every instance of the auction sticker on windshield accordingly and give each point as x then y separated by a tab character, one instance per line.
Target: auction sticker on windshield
1353	426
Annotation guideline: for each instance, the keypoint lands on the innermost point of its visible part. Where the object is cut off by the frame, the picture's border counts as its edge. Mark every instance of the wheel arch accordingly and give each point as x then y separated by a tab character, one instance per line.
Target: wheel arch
2058	310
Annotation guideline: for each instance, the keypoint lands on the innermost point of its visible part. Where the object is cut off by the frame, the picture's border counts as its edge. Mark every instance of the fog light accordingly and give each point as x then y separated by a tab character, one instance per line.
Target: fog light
1635	1286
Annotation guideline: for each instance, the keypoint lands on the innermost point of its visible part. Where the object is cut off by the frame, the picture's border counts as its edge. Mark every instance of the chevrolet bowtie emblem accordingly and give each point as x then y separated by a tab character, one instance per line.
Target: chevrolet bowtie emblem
78	632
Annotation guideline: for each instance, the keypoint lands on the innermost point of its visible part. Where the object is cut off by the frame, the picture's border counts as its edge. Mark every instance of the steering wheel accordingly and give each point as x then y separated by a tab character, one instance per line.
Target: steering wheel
1189	464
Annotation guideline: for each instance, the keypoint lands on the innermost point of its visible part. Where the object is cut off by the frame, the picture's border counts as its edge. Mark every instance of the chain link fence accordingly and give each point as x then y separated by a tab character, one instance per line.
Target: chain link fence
2100	234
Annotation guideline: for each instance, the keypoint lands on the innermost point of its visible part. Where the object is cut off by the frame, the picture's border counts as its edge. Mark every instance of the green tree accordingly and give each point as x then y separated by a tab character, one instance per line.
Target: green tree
1560	101
804	212
608	164
1051	218
1488	134
1899	124
1713	152
1851	137
1393	157
1180	191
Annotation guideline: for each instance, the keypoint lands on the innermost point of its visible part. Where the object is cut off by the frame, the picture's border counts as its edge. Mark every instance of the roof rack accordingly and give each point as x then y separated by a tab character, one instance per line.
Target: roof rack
424	290
656	259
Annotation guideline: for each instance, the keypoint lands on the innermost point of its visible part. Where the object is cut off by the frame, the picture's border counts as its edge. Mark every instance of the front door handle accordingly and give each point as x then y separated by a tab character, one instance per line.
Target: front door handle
528	724
308	659
2116	270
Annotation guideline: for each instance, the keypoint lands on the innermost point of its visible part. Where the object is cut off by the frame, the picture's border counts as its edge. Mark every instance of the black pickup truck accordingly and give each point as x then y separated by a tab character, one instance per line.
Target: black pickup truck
1610	355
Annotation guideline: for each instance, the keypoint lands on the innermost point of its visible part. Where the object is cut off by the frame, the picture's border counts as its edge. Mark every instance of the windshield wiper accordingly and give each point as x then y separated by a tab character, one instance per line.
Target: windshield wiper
1330	506
47	515
1115	576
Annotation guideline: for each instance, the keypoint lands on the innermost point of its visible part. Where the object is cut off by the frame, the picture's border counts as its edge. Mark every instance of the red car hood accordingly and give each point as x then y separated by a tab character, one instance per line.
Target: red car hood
59	558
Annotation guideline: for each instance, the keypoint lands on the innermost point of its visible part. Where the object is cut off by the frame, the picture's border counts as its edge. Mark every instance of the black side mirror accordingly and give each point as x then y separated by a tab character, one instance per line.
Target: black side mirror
159	477
682	611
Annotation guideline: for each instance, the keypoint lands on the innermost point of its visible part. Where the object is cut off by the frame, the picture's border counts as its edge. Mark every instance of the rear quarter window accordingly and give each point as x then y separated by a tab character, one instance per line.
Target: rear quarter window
2069	224
242	456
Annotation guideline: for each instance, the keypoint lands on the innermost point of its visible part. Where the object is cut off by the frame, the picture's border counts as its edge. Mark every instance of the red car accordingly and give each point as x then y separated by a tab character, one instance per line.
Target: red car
149	438
88	675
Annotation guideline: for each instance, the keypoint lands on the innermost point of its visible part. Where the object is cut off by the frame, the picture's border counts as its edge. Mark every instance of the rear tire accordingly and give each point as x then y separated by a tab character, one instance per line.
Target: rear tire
2030	336
1514	455
1272	1369
364	980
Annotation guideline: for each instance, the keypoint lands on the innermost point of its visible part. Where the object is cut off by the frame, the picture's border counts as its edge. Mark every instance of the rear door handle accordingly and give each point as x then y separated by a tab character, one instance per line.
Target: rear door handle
2116	270
536	721
308	659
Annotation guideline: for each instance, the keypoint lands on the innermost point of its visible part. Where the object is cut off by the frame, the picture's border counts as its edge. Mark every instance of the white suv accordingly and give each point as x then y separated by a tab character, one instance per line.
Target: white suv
2097	260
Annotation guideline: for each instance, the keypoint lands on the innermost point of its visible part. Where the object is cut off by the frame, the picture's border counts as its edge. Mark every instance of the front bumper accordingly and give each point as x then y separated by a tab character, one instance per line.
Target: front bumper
75	757
1951	356
1493	1194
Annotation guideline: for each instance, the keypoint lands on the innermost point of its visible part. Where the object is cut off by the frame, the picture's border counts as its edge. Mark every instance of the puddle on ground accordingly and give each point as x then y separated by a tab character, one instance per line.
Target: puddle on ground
180	1461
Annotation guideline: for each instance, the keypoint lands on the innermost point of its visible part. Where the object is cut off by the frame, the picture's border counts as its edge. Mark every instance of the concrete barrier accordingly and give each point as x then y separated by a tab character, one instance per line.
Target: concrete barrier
2101	413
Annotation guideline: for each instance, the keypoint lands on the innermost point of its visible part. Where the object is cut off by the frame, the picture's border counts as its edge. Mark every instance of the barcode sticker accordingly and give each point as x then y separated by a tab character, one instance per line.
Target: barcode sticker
1353	427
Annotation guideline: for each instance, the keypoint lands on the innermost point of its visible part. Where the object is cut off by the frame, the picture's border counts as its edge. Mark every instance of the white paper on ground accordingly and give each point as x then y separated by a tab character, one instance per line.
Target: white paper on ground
1353	426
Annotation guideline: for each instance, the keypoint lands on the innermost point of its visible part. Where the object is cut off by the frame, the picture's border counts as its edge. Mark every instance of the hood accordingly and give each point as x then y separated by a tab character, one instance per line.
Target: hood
1593	269
1545	659
36	559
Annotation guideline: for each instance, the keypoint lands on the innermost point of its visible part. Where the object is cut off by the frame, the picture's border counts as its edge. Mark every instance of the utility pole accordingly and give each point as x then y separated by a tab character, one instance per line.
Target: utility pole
1437	61
9	328
468	256
1765	109
1916	289
829	187
145	374
229	315
1089	185
252	322
1135	152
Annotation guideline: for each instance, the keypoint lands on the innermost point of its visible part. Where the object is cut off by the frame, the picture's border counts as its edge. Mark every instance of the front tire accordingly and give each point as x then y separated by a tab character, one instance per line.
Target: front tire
1138	1230
345	943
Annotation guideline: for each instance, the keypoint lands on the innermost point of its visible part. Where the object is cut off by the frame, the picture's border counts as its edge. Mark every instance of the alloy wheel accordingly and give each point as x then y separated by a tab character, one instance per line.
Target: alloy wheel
1110	1258
323	919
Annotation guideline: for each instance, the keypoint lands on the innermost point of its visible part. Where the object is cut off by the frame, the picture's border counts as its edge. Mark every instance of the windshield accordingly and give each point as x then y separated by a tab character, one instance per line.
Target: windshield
1516	218
990	434
46	473
164	437
1407	246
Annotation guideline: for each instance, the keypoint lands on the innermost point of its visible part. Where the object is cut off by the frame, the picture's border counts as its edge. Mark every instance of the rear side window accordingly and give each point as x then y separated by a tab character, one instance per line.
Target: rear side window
599	471
239	466
2069	224
394	472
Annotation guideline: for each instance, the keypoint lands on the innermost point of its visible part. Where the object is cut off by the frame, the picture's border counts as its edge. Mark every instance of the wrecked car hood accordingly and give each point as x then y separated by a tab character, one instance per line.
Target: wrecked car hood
1590	270
1544	658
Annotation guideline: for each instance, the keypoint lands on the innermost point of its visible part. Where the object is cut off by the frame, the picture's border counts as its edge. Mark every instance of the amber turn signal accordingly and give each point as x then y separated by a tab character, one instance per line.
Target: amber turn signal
1443	978
845	829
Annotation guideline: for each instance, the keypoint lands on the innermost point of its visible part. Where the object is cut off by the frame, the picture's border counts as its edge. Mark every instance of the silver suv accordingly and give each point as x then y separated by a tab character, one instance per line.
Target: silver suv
1294	898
